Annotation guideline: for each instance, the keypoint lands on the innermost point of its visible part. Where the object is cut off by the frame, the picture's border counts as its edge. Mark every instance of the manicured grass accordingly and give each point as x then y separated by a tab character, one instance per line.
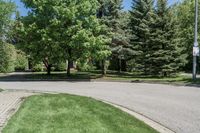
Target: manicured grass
72	114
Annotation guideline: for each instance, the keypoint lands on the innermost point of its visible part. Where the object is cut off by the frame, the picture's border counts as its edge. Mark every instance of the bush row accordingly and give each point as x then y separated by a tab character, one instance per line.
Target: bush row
11	59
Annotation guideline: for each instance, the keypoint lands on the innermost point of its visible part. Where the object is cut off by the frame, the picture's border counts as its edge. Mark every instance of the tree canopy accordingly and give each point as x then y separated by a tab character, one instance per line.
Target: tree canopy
60	29
153	38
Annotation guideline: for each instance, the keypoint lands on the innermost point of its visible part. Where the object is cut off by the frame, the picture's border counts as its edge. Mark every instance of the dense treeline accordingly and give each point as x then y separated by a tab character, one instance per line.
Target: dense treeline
11	59
152	38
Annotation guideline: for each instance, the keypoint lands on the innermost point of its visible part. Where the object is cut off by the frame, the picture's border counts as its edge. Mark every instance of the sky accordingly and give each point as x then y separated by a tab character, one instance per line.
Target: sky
126	5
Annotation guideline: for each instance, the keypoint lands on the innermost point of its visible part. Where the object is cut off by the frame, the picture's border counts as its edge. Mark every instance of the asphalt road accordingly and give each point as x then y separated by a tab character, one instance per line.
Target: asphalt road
175	107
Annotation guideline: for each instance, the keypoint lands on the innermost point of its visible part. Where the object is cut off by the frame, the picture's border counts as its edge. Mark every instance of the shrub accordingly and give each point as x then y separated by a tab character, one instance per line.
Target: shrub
38	67
21	62
85	66
60	66
7	57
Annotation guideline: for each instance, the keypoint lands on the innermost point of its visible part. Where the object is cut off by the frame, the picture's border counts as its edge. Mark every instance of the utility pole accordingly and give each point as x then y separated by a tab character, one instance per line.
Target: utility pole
195	48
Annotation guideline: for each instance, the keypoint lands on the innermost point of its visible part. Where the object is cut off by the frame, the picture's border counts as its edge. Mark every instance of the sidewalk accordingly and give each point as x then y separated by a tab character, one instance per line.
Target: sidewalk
9	102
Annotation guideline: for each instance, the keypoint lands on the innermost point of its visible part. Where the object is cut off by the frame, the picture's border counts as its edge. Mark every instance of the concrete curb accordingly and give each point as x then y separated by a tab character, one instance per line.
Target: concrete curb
155	125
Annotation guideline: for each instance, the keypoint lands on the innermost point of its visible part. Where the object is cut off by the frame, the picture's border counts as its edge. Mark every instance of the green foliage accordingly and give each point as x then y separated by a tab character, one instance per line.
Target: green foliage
21	62
185	18
56	30
39	67
6	10
117	22
7	57
61	66
140	22
165	52
155	39
150	39
85	65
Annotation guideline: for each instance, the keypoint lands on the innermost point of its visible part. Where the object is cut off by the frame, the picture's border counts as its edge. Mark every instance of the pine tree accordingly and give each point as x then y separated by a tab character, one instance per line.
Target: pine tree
120	45
102	14
165	58
141	19
120	40
111	14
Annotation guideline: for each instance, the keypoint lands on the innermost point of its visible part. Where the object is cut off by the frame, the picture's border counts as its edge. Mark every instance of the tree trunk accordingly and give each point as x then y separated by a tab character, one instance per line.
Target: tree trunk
48	66
103	68
49	70
69	62
120	65
68	68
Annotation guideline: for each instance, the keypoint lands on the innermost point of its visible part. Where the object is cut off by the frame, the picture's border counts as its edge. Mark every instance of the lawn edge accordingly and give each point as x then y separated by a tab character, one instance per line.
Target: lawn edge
148	121
14	110
145	120
152	123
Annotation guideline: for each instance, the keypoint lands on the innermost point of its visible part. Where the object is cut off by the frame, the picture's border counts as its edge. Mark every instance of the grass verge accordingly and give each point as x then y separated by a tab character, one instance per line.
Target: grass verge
72	114
1	90
96	76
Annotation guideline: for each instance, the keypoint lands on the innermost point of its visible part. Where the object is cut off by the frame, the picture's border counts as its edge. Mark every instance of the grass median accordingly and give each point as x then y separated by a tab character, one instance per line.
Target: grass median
72	114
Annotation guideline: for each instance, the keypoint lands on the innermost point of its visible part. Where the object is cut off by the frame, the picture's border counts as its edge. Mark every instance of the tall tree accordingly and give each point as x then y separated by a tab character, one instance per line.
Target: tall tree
118	23
102	14
62	29
140	22
6	11
7	51
185	18
111	14
166	57
120	46
35	34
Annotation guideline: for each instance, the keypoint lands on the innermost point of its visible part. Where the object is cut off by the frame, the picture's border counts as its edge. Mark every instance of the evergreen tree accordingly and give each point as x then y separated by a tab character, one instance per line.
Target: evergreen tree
120	45
166	56
120	39
111	14
102	15
140	22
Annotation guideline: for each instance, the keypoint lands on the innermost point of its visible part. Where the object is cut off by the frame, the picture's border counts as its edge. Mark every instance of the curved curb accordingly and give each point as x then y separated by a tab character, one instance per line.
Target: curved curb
155	125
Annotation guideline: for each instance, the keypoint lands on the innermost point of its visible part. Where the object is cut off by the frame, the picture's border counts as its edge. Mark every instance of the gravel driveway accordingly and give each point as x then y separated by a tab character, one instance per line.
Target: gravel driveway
175	107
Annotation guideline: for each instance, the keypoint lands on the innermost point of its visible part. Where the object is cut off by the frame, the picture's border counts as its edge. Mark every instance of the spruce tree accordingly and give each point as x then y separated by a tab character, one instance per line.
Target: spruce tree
120	45
140	22
102	14
165	58
116	20
120	41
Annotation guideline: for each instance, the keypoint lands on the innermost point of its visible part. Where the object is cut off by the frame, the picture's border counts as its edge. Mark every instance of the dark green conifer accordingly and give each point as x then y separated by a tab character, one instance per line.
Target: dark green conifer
140	22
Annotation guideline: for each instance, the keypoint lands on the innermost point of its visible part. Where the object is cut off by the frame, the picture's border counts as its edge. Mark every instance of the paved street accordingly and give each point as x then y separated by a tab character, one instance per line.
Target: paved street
175	107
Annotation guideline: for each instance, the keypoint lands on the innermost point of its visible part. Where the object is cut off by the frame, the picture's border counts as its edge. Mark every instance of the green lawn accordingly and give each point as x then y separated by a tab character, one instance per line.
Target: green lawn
72	114
96	75
115	76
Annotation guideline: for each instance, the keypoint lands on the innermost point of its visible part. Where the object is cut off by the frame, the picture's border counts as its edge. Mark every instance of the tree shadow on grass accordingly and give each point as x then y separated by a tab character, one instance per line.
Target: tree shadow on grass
97	76
58	76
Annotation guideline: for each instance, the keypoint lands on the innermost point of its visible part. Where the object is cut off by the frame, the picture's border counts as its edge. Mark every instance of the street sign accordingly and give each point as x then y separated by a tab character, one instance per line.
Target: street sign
195	51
